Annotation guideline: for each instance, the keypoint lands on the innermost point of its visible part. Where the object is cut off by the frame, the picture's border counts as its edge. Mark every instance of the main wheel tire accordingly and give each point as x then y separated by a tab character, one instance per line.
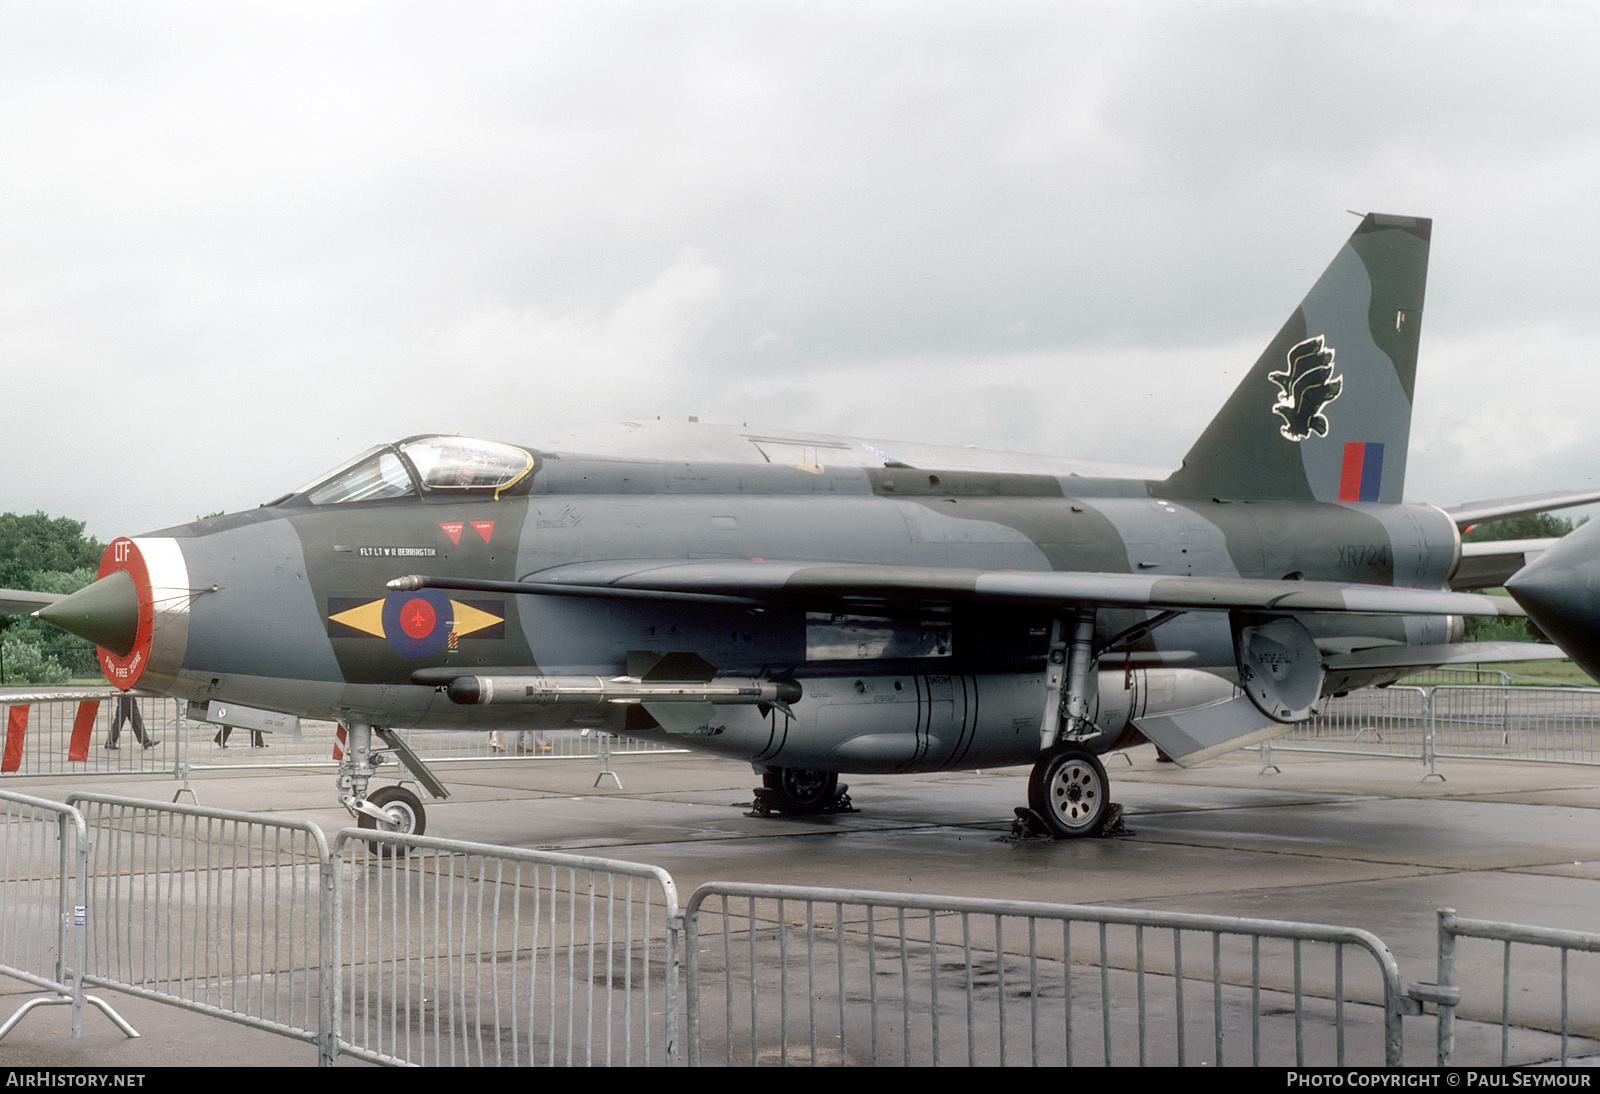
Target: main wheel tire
1070	791
798	790
404	808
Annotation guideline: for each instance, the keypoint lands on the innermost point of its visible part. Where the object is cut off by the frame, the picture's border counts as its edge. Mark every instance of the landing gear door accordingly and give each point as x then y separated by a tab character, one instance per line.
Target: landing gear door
1189	736
1280	667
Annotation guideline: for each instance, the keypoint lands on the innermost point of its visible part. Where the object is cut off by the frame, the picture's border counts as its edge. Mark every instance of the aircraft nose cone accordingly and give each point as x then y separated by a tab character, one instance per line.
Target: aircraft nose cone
106	613
1560	591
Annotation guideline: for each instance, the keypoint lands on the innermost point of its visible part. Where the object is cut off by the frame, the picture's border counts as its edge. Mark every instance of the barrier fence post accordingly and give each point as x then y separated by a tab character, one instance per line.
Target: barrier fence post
1447	981
327	981
1430	724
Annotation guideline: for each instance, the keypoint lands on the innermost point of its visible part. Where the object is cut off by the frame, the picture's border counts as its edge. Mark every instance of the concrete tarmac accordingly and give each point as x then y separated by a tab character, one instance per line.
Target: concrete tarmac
1329	839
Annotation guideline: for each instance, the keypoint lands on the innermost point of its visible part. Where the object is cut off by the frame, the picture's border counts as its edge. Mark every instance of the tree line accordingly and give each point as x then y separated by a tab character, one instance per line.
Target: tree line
48	555
1530	526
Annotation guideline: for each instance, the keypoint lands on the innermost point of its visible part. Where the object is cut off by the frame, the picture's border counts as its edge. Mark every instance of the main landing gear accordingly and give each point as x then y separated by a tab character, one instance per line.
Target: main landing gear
1069	792
798	791
1069	795
389	808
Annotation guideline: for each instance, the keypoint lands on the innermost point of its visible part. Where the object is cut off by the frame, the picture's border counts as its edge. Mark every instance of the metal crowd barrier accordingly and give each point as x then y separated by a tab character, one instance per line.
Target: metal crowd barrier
397	949
209	910
66	731
1541	724
69	731
454	953
38	842
1539	1012
1444	675
208	748
43	855
1391	721
1532	724
447	952
788	975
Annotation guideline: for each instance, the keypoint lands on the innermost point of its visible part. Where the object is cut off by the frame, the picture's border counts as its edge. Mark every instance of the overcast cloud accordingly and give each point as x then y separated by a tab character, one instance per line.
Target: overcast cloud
243	241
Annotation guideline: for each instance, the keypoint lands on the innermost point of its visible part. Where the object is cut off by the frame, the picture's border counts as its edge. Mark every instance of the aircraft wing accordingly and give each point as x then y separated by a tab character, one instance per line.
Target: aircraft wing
1188	736
1481	512
1488	563
1454	653
23	602
866	586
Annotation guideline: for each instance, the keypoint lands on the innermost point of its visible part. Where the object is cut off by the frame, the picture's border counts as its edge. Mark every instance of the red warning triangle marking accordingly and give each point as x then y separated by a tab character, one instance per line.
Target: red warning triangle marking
453	530
484	528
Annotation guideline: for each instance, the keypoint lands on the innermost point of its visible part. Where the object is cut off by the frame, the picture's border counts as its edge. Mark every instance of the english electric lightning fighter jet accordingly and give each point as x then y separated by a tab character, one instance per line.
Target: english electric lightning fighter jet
1561	591
818	605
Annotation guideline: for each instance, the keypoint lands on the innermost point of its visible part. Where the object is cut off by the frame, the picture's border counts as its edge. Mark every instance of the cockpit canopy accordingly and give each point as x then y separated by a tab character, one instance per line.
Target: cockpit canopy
422	466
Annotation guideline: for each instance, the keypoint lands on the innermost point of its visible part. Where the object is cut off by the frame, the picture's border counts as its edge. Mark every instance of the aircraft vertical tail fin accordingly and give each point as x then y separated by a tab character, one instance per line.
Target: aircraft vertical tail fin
1325	412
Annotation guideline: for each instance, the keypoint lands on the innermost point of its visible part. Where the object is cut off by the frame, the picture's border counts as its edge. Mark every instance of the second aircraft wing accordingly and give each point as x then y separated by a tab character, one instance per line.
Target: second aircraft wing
869	585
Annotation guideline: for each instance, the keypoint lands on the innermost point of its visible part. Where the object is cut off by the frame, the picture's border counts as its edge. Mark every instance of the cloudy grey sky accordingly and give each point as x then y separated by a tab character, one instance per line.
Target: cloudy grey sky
243	241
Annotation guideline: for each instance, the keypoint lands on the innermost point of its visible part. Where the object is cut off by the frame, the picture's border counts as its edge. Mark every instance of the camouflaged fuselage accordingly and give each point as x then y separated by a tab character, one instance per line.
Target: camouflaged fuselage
325	638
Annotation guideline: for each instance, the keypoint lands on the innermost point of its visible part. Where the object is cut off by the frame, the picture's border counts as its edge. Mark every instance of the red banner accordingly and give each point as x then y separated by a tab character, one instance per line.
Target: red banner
83	730
16	730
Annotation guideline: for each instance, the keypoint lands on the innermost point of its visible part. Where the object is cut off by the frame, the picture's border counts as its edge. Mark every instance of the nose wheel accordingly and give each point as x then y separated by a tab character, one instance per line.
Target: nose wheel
402	812
388	808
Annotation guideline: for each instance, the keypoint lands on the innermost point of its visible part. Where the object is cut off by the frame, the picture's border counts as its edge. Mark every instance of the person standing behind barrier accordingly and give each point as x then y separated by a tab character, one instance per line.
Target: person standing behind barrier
497	741
222	735
128	711
522	739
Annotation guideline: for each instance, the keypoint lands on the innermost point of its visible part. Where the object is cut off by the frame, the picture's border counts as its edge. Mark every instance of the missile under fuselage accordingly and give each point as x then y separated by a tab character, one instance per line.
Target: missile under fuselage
539	690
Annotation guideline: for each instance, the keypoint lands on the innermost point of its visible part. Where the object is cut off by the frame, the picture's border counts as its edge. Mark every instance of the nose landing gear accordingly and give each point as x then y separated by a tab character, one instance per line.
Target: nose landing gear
402	812
389	808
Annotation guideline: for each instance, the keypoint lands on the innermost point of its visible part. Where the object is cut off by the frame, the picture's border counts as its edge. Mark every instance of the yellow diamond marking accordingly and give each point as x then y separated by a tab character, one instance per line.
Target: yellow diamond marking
469	619
368	617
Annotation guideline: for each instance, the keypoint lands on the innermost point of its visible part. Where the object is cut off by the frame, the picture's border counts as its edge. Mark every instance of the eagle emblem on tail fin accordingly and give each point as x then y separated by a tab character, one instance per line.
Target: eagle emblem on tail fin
1305	387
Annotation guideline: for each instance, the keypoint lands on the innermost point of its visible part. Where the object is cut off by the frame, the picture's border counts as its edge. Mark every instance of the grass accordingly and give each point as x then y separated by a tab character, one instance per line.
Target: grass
1519	673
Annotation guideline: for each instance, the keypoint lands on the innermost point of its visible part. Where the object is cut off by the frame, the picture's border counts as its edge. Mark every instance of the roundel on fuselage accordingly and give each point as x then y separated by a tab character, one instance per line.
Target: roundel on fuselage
417	623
